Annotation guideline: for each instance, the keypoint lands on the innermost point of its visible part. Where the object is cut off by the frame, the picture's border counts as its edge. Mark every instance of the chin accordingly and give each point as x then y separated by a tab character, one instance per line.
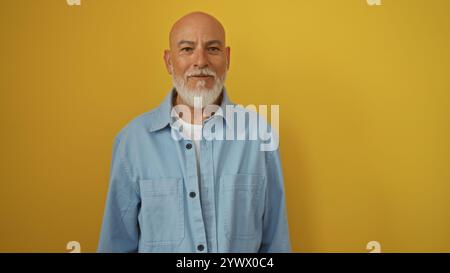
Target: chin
201	89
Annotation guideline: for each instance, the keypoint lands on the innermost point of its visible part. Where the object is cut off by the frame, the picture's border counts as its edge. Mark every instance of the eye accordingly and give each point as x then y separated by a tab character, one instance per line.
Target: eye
214	49
186	49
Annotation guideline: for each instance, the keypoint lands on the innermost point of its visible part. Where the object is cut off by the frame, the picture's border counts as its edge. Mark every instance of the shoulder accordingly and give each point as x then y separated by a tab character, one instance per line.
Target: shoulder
141	123
255	120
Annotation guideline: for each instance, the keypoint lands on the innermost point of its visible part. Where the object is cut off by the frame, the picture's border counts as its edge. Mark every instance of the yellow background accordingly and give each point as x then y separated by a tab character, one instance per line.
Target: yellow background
364	104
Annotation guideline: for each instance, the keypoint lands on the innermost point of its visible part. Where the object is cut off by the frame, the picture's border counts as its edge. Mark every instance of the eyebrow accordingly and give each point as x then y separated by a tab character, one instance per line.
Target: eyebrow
214	42
192	43
185	42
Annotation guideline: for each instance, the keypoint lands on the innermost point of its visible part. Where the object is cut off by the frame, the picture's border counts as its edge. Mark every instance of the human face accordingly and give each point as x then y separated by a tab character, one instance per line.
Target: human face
198	59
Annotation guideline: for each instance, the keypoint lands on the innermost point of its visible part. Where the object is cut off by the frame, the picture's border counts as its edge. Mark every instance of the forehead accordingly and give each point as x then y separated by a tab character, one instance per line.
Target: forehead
199	31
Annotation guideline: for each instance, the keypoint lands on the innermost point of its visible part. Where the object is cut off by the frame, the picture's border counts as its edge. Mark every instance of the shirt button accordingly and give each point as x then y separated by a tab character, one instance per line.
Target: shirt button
188	146
200	247
192	194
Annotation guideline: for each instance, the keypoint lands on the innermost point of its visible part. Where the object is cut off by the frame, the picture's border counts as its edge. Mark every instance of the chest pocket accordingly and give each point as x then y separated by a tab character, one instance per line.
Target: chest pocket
242	204
162	211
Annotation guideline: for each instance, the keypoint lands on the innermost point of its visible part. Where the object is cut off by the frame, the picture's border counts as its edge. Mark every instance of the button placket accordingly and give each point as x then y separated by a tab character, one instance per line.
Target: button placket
193	194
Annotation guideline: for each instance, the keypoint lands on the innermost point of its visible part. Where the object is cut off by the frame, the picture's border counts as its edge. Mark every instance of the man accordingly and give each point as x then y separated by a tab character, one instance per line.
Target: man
174	187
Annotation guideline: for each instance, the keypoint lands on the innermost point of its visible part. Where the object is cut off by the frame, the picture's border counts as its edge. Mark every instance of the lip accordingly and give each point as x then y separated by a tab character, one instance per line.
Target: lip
201	76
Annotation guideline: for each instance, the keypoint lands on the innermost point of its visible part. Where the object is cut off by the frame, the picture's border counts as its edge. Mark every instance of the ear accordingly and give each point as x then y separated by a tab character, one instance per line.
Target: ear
227	52
168	61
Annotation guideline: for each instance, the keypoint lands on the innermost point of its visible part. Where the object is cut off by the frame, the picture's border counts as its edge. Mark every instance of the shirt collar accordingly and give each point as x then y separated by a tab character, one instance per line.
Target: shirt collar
162	113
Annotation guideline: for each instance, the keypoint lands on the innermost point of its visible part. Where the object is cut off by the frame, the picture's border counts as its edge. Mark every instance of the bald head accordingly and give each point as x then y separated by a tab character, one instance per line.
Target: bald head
196	23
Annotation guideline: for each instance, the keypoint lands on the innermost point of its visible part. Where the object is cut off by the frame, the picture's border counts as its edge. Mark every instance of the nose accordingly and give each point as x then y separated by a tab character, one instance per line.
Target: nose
201	59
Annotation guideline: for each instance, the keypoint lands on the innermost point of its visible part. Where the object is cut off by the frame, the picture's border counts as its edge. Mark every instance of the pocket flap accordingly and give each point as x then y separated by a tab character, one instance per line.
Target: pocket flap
160	185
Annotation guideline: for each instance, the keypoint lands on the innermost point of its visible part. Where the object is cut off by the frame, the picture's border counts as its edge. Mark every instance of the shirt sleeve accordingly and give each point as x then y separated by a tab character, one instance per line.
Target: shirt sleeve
275	225
120	228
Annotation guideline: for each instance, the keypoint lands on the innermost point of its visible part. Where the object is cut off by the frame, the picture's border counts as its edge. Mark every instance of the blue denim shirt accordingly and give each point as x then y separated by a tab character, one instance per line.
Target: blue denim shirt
157	203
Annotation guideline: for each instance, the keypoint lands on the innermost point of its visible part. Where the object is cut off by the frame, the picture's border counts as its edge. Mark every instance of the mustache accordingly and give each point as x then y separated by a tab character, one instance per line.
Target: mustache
200	72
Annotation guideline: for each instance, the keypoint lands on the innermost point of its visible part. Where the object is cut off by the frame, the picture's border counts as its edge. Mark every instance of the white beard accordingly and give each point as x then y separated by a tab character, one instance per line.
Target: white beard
207	96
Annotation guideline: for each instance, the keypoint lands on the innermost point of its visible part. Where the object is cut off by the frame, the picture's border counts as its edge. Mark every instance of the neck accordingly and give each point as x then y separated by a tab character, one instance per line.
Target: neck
197	115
